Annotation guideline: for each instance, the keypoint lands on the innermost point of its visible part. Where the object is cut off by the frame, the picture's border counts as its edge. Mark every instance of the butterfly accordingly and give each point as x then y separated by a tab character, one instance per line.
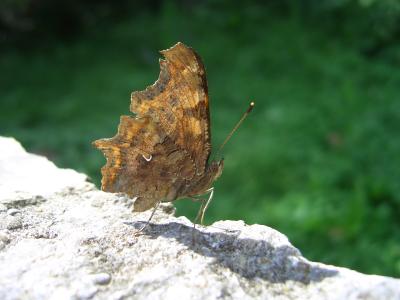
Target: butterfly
161	152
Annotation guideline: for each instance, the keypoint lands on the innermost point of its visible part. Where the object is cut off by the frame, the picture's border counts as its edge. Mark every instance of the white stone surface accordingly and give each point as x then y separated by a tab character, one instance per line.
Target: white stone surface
23	175
72	241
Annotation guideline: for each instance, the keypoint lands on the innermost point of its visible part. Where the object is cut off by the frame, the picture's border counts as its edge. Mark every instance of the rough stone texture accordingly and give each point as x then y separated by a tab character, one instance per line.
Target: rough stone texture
61	238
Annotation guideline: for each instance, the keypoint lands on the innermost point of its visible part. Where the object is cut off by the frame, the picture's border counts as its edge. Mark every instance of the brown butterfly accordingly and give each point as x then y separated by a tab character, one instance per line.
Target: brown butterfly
161	154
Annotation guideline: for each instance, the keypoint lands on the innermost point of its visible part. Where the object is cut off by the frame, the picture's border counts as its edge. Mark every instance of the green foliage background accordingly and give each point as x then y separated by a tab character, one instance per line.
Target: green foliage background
318	159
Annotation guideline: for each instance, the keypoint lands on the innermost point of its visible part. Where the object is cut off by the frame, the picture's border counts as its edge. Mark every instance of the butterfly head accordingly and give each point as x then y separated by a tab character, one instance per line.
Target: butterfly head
216	168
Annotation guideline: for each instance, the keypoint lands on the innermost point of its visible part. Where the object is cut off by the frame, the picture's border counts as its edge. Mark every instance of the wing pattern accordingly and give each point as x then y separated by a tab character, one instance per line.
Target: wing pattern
178	101
160	152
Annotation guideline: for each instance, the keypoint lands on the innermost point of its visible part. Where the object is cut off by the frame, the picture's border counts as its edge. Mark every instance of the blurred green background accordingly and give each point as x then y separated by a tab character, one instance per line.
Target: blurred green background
318	159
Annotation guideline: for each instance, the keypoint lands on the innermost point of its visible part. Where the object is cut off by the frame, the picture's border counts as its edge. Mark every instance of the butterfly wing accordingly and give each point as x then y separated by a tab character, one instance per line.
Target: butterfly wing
178	102
156	154
143	162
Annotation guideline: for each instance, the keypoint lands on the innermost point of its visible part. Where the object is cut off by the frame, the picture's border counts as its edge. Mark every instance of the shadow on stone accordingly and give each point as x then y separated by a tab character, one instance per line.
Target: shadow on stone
250	258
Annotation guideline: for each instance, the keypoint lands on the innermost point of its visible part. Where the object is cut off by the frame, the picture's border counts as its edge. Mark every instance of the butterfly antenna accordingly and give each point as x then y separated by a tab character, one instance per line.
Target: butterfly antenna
249	109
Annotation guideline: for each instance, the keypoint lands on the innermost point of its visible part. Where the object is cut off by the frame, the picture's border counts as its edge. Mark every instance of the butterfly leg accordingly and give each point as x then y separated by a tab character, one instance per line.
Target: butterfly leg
202	210
204	207
151	216
203	202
